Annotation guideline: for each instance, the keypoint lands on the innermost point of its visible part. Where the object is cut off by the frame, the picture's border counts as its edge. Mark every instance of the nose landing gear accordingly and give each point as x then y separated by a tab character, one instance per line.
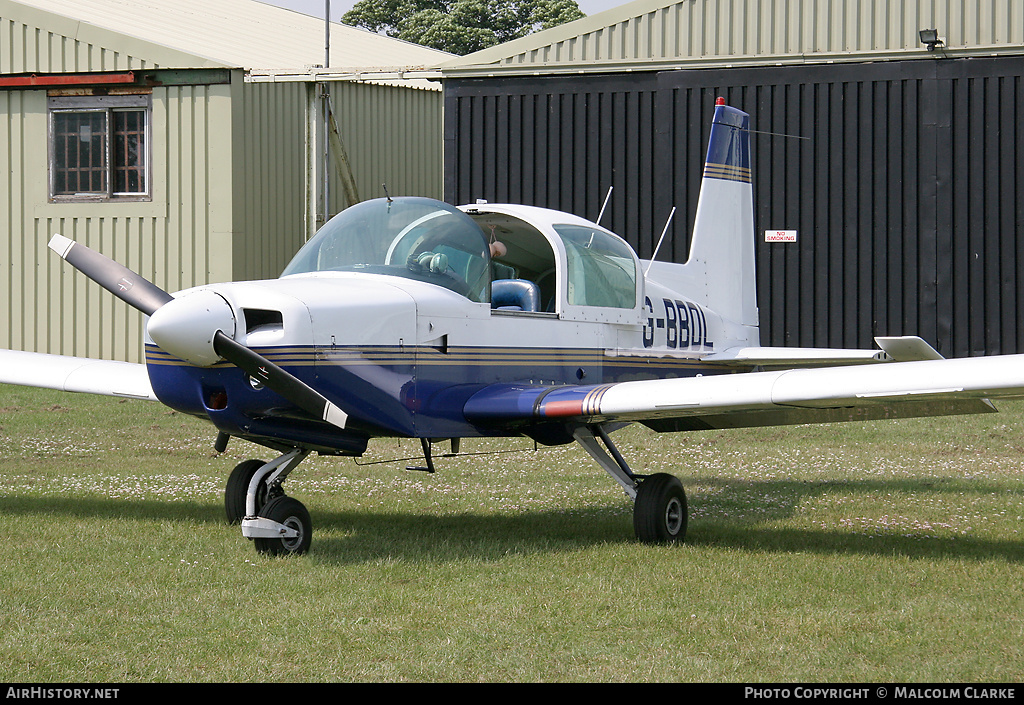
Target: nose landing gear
278	524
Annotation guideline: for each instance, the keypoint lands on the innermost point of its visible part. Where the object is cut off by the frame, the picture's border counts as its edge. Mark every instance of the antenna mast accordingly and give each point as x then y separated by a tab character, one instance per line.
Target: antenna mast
658	247
604	205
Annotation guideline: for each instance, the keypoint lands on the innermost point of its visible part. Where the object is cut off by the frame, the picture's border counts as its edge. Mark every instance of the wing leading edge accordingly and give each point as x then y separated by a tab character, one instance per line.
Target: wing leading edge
820	395
76	374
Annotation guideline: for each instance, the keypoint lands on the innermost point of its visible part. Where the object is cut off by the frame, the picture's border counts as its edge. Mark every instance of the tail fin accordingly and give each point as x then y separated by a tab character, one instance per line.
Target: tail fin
722	247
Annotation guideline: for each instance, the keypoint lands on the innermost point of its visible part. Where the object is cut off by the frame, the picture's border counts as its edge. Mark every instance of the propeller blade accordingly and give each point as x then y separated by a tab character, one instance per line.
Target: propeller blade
284	383
120	281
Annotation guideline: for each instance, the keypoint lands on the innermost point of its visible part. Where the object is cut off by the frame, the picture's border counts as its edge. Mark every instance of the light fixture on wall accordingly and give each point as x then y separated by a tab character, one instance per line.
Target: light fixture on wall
930	38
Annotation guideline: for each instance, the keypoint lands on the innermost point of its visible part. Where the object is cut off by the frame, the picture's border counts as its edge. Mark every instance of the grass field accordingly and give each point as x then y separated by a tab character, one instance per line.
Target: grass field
884	552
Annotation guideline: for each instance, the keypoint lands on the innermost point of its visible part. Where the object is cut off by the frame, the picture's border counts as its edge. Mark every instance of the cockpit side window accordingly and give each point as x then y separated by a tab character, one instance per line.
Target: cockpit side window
601	270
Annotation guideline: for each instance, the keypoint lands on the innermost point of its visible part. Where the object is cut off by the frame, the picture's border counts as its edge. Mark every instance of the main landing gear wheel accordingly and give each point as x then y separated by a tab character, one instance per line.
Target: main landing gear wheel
293	515
659	511
238	487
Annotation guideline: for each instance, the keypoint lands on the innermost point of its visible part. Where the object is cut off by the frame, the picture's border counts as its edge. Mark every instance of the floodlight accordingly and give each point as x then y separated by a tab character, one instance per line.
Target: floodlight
930	38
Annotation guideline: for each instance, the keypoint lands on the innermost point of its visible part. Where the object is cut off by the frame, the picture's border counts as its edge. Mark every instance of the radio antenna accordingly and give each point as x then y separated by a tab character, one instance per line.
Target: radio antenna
658	247
604	205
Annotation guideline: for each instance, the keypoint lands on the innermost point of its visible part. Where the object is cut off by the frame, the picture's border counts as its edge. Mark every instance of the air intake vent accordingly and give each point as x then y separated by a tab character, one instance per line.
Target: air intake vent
262	319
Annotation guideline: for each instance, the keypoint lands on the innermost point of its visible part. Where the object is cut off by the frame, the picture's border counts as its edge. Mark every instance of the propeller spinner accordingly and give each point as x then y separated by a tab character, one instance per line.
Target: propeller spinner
196	327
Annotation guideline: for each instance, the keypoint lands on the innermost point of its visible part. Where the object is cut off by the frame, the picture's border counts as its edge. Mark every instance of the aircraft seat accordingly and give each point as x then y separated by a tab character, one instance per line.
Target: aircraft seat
514	295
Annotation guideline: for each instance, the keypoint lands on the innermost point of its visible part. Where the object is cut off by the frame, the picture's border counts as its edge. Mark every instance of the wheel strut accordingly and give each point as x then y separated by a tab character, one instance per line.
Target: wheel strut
608	457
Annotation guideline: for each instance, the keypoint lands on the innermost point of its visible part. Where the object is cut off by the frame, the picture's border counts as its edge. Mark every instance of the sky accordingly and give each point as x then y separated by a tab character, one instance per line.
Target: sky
340	7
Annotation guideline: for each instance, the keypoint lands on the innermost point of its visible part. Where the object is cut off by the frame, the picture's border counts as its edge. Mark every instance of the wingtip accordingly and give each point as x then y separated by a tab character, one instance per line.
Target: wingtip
61	245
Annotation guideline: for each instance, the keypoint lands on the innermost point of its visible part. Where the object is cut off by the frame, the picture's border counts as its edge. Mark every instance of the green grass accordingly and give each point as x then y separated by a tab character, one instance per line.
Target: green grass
861	552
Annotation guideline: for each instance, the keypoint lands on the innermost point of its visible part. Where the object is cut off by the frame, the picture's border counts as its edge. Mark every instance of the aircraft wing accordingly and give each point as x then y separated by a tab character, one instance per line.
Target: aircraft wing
76	374
818	395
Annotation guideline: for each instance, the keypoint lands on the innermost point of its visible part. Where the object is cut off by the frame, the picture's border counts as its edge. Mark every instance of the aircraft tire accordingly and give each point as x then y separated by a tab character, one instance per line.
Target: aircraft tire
238	486
659	512
293	514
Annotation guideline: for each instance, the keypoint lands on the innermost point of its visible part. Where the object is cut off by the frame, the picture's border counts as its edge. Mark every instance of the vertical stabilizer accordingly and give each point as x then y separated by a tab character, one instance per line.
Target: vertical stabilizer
722	248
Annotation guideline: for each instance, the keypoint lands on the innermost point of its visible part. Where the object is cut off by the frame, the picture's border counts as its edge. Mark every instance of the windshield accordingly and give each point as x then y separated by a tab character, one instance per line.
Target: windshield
414	238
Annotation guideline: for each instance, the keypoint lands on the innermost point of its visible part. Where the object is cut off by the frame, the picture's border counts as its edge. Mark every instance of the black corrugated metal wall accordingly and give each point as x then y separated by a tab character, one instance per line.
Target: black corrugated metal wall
907	189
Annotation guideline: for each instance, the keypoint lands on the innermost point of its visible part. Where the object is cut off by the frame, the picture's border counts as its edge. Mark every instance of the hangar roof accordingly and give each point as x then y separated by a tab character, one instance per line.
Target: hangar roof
198	34
669	34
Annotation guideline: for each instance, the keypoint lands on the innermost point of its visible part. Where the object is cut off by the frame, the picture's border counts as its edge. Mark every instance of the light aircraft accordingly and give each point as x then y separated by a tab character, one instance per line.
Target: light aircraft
408	317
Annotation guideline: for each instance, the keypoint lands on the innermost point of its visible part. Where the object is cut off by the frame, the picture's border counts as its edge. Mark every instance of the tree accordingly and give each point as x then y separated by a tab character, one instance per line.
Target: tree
460	26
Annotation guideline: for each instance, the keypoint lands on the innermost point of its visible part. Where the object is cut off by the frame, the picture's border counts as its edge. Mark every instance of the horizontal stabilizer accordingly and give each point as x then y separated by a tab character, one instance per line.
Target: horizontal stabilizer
76	374
908	348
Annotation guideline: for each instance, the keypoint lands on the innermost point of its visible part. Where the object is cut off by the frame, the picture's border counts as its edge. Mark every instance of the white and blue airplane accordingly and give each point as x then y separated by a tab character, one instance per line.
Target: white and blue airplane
408	317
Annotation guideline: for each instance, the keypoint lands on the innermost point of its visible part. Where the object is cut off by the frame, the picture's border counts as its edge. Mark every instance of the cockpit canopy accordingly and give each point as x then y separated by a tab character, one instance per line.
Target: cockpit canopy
538	260
415	238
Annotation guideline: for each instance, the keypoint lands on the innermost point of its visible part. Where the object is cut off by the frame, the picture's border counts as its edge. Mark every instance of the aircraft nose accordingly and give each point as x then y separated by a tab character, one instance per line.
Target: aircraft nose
186	326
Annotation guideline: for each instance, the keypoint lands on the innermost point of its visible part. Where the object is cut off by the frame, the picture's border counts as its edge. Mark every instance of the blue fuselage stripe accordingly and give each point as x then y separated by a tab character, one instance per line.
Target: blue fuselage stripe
401	391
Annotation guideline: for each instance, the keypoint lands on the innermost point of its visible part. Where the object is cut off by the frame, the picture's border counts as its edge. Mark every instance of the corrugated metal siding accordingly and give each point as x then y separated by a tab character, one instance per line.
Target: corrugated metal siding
985	207
16	323
197	240
270	167
908	197
48	307
764	29
228	203
392	135
34	41
180	239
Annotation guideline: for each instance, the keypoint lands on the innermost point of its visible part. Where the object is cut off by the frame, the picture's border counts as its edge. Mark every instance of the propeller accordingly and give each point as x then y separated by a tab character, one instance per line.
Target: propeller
193	327
115	278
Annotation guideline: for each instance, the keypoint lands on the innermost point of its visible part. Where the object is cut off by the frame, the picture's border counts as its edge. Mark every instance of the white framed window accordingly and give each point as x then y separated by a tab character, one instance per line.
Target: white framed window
100	148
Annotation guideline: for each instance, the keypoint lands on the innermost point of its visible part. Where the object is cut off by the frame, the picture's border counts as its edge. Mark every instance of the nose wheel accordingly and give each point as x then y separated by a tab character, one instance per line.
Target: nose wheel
297	531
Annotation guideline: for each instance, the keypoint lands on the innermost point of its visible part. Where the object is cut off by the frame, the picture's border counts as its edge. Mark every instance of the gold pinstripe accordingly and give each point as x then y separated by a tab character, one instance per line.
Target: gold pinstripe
463	357
727	172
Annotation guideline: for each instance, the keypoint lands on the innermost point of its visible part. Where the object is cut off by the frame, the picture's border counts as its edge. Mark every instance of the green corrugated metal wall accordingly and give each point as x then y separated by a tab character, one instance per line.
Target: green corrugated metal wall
269	198
179	239
392	135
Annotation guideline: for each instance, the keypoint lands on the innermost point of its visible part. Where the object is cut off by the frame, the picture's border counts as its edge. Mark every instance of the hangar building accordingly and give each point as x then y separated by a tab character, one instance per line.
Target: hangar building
896	159
183	138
